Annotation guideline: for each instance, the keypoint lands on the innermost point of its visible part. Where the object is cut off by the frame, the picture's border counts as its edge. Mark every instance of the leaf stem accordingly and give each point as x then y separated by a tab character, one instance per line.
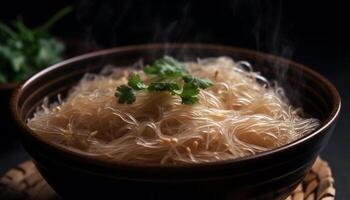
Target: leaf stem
47	25
6	29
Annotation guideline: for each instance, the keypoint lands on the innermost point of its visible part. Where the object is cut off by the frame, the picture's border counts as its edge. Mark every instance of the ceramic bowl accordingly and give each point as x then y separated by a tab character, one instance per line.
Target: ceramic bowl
269	175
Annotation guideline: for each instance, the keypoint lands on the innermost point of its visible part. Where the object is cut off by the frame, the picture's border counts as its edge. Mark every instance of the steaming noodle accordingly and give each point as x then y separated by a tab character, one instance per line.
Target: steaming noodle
241	114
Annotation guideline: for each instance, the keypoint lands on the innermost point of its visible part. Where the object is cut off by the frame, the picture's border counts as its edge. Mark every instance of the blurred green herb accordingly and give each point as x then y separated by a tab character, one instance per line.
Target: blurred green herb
24	51
126	94
166	74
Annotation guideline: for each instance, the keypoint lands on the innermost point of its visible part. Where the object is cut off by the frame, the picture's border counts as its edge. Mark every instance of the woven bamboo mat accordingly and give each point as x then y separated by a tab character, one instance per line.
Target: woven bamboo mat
25	183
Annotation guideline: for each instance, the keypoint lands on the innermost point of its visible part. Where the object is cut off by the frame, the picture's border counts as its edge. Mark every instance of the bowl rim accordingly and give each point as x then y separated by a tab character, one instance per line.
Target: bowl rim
80	156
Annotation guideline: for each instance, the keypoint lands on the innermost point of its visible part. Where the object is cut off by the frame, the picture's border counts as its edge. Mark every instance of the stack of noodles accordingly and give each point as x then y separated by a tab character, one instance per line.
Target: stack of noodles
241	114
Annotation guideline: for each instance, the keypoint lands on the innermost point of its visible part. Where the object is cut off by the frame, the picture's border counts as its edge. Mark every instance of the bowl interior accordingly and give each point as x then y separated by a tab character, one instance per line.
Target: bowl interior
303	87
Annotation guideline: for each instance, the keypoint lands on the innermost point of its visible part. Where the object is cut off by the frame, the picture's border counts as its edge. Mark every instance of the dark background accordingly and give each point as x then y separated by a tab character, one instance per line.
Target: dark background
314	33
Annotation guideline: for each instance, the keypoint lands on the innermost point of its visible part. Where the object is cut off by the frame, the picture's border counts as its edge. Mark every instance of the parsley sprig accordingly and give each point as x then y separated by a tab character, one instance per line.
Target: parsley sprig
167	75
24	51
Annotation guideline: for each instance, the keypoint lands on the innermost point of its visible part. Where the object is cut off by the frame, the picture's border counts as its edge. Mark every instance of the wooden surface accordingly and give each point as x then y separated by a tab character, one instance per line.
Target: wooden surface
25	183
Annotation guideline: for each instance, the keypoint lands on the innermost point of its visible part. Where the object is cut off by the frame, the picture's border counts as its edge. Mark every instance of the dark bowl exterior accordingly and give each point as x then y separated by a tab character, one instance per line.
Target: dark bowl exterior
269	175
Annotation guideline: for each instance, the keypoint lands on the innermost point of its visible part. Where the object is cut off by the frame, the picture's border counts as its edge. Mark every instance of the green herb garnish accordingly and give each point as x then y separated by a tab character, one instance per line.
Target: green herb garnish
24	51
165	75
126	94
166	67
136	83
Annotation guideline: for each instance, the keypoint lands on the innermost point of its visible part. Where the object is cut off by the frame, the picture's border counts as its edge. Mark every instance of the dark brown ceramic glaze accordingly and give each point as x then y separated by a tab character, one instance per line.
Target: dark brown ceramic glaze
269	175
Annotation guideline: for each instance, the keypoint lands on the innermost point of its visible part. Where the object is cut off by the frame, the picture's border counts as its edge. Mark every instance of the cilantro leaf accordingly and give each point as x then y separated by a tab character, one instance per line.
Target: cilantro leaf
125	94
166	75
199	82
166	67
136	83
189	100
189	93
24	51
159	86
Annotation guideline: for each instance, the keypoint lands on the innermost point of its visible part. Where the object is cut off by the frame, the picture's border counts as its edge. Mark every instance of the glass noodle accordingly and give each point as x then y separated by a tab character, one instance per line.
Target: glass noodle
241	114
